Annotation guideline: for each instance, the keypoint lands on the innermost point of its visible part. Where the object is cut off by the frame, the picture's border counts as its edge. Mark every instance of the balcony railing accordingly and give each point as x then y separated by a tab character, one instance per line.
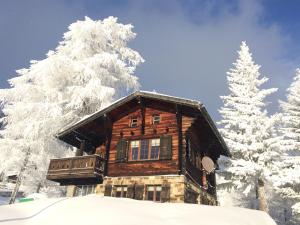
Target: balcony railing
76	170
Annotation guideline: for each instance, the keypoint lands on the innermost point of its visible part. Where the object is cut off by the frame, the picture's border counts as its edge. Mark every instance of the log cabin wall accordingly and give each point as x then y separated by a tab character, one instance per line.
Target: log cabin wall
195	152
144	130
186	124
199	145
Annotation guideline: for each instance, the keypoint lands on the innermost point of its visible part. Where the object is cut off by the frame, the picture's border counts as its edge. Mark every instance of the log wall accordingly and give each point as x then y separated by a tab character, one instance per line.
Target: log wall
121	129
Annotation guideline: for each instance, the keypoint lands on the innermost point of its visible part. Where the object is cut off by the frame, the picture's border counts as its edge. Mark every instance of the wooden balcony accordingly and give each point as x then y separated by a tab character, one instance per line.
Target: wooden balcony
76	170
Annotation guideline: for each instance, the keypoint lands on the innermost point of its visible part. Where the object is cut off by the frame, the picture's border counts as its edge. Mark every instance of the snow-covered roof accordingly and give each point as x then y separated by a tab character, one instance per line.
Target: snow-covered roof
149	95
95	209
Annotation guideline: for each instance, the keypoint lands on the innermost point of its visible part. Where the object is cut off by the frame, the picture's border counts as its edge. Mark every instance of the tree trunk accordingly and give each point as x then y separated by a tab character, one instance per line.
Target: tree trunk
19	179
38	188
261	194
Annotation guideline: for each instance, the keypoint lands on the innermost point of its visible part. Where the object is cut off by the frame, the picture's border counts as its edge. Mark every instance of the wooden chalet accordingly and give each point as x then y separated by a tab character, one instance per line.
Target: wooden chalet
145	146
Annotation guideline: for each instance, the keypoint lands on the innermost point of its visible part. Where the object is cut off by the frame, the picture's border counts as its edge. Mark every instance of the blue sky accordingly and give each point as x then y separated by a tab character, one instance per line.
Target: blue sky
188	45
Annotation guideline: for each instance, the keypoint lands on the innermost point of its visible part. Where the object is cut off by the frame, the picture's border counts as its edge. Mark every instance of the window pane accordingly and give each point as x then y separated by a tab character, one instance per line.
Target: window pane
150	195
134	122
154	152
155	119
134	149
119	188
134	153
158	188
155	142
135	144
84	190
118	194
77	191
150	188
89	189
157	199
144	149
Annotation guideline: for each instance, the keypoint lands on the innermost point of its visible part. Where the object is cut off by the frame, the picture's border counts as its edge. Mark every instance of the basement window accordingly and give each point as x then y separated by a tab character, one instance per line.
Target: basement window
82	190
121	192
153	193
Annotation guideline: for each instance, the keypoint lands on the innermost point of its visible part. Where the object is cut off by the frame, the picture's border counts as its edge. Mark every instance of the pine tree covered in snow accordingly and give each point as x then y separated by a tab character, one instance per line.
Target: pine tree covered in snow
90	68
248	132
287	177
291	118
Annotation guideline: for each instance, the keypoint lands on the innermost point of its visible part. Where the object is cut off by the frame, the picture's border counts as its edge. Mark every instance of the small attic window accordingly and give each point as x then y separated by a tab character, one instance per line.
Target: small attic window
134	122
156	119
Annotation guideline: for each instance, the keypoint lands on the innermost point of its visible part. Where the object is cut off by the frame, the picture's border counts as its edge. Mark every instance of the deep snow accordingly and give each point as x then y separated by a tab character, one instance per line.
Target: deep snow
94	209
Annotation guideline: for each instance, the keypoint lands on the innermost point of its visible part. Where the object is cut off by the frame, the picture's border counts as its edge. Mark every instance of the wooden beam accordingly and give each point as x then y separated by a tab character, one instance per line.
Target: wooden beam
79	151
142	108
107	144
181	154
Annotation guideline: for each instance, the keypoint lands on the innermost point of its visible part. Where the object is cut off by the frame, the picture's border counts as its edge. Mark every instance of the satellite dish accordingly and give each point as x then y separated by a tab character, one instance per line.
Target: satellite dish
208	164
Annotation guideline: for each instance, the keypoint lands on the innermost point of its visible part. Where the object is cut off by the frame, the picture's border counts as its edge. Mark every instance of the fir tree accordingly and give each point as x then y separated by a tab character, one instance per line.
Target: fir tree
291	118
247	130
287	177
89	69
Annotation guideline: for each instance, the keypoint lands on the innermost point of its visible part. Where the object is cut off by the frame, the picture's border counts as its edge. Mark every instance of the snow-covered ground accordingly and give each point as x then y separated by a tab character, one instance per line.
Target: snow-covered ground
4	200
94	209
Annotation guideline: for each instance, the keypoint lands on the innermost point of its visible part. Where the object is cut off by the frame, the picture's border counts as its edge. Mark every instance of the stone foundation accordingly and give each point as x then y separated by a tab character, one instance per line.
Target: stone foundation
179	188
174	188
70	190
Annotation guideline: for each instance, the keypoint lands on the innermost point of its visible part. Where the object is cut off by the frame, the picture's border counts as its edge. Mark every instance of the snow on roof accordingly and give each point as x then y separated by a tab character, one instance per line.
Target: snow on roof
95	209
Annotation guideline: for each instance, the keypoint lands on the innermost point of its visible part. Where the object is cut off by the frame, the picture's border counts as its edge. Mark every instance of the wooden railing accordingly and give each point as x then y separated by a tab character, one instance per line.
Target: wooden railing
79	167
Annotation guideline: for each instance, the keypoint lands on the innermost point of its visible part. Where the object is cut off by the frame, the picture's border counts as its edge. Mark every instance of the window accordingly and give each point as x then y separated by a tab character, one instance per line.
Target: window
146	149
121	192
134	150
134	122
153	193
155	143
82	190
155	119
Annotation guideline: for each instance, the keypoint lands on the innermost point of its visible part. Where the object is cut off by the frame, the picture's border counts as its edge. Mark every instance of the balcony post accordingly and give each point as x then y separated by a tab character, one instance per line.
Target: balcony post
79	151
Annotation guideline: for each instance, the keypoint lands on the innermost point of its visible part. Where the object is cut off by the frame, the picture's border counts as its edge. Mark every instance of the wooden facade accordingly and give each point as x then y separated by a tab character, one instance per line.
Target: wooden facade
144	134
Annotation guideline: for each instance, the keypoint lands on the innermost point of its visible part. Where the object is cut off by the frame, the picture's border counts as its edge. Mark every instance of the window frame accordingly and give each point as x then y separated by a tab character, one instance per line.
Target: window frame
155	122
155	191
122	191
130	158
134	124
149	149
83	190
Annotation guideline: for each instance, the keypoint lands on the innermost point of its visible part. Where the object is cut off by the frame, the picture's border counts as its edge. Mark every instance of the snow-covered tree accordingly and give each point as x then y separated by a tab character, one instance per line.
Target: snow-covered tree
291	117
90	68
287	177
248	131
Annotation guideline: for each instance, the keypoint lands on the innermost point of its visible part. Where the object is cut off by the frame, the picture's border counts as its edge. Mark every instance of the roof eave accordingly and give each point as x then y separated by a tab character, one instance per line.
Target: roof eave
215	130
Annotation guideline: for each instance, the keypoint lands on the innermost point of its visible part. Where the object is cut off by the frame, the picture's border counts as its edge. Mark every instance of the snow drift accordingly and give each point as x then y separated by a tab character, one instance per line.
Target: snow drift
95	209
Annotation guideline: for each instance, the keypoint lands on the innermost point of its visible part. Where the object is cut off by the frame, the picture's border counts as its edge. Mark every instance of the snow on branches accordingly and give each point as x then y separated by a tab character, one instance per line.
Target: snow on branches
246	127
91	67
